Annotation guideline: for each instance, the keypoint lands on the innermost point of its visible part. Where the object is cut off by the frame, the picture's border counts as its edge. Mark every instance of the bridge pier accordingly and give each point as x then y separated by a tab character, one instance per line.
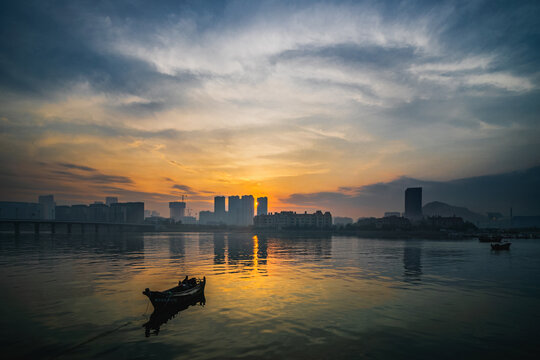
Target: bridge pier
69	228
36	228
17	228
82	228
53	228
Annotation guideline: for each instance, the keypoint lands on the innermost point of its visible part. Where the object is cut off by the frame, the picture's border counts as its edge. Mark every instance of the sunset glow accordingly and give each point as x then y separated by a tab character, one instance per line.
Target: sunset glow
307	106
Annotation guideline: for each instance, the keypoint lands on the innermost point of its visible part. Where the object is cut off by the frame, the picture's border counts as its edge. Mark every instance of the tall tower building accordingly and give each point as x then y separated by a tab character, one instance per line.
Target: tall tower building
219	205
248	210
219	209
177	210
235	210
413	203
262	206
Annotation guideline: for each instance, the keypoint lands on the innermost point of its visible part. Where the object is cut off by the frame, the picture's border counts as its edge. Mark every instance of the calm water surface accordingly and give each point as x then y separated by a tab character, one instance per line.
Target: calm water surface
72	296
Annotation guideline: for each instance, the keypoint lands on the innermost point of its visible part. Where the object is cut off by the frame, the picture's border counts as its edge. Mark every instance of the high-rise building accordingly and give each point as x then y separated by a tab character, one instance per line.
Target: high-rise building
262	205
219	204
47	207
235	210
248	210
111	200
134	212
219	209
413	203
177	210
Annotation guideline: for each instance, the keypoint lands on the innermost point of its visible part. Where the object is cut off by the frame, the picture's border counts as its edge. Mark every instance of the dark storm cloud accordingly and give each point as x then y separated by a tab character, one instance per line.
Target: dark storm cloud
483	193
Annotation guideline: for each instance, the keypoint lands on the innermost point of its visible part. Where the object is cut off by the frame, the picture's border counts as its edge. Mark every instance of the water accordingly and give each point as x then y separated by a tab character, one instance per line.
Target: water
70	297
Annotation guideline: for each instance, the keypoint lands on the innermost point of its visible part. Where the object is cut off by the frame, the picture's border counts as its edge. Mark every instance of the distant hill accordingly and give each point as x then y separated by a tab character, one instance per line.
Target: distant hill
437	208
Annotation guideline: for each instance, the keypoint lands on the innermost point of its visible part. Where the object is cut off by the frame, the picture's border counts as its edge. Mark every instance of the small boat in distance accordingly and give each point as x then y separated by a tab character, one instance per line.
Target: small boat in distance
501	246
489	238
185	292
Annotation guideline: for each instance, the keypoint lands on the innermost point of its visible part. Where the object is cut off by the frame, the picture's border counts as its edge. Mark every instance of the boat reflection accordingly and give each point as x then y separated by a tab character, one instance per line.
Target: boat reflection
164	313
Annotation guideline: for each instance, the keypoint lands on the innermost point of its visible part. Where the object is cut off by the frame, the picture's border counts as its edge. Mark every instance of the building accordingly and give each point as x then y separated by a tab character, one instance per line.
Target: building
130	212
177	210
63	212
220	215
11	210
290	219
219	204
190	220
342	221
207	218
111	200
262	205
392	213
235	210
384	223
98	212
151	213
79	213
47	207
413	203
247	210
134	212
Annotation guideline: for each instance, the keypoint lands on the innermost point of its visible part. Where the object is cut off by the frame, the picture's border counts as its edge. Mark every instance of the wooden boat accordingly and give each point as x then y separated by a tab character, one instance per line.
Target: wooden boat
163	314
185	292
490	238
501	246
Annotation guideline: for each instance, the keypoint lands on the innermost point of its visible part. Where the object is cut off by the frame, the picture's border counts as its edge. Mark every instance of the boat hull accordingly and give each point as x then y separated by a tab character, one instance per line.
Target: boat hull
175	297
504	246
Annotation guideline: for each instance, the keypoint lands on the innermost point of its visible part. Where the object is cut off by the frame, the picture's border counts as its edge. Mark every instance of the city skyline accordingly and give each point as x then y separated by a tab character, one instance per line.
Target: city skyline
333	105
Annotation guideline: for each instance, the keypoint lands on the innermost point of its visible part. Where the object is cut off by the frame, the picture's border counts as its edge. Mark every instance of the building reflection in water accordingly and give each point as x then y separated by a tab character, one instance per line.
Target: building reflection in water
412	261
177	247
219	248
240	252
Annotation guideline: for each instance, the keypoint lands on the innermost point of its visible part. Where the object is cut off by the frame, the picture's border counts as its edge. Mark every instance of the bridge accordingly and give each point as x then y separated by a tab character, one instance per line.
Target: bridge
82	226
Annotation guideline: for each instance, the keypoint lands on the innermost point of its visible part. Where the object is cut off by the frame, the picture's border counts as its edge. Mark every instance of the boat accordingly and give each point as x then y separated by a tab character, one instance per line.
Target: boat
184	292
501	246
490	238
163	314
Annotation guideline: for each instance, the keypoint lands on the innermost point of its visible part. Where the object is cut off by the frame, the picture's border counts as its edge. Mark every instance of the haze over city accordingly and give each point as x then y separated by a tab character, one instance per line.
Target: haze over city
337	106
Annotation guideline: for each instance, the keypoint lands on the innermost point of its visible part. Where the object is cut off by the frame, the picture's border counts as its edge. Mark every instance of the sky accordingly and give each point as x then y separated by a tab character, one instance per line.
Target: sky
317	105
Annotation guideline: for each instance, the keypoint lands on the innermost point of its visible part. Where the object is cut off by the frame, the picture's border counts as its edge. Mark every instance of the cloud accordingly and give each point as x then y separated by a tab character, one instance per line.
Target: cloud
184	188
276	97
75	166
497	192
97	178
